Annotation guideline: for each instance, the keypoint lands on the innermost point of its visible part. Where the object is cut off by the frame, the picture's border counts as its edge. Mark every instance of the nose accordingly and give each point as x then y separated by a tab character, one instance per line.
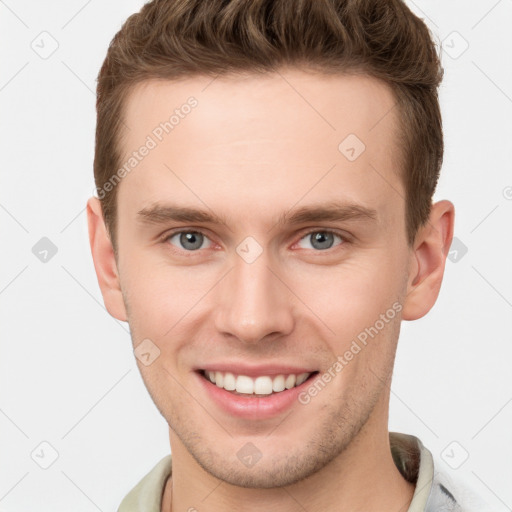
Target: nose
253	302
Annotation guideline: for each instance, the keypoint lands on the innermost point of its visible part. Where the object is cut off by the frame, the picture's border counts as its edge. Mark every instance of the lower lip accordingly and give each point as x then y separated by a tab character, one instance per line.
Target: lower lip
252	407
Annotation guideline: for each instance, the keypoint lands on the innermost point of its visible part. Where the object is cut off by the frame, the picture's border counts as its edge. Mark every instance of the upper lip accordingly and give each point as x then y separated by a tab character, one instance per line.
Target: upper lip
256	370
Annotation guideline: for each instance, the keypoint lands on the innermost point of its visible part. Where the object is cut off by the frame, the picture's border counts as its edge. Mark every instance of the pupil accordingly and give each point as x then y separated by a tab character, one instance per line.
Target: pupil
193	239
323	240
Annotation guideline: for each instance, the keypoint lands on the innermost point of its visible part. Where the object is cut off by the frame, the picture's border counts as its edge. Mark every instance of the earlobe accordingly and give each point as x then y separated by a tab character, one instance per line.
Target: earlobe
104	261
428	259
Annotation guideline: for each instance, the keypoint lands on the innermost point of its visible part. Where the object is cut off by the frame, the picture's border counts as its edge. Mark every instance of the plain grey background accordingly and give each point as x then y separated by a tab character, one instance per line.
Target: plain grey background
72	399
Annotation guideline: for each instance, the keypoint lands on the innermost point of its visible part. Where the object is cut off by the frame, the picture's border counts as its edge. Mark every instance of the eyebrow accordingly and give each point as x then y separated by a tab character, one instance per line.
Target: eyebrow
330	211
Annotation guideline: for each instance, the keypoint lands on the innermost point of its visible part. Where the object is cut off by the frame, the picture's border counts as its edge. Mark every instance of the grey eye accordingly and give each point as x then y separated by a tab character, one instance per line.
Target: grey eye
319	240
189	240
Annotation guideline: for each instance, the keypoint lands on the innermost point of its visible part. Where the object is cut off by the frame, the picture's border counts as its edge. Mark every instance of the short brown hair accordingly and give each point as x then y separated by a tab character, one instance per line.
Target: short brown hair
170	39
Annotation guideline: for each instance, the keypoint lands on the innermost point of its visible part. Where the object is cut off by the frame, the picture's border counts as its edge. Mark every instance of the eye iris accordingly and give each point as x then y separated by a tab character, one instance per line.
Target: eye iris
322	239
191	237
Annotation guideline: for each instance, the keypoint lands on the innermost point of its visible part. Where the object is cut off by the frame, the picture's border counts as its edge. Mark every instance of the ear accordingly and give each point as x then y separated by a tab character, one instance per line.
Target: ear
104	261
428	258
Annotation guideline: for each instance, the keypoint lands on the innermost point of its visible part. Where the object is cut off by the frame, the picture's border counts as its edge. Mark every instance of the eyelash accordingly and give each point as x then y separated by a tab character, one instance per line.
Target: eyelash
345	239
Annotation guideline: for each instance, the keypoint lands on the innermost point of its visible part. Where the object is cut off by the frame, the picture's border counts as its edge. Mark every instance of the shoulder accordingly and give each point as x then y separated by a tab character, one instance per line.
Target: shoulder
435	490
146	496
449	494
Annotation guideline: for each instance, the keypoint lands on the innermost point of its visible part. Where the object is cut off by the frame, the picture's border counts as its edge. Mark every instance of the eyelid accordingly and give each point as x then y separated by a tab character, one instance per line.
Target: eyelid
333	231
175	231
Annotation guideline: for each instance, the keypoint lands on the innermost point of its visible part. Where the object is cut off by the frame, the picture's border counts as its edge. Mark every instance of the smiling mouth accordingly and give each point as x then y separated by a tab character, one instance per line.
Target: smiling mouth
260	386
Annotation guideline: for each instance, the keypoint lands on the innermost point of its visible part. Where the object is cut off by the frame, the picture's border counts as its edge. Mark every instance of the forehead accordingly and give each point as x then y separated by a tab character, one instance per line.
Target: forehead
269	138
263	104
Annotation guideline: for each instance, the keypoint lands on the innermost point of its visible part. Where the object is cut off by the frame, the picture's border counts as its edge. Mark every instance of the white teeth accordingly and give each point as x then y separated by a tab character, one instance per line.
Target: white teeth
244	384
290	381
263	385
229	382
301	378
278	383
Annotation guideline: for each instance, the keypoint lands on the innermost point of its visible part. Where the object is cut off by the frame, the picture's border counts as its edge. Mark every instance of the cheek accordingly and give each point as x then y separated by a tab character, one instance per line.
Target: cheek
352	296
160	295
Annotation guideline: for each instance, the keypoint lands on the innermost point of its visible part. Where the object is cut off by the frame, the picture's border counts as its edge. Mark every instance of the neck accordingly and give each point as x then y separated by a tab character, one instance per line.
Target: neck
362	478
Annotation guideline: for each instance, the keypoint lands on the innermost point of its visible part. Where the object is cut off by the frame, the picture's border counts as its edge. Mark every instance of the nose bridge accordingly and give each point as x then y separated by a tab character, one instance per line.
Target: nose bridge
252	302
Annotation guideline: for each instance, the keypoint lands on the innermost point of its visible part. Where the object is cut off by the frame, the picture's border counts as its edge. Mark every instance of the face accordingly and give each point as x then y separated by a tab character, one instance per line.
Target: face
255	239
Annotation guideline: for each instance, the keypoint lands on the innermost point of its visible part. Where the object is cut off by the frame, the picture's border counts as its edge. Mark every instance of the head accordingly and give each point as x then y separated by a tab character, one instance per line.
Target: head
265	173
